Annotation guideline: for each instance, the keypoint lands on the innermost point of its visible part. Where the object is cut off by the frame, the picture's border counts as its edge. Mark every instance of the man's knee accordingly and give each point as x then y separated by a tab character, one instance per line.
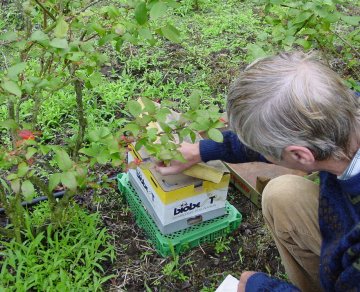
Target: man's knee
290	202
279	191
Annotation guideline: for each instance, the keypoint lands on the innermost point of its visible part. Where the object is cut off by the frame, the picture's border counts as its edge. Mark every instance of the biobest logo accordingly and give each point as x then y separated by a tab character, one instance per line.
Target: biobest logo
184	207
141	179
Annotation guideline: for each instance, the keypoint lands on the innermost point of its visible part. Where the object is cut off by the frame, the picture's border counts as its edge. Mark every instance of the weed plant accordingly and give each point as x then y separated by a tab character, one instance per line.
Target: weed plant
66	259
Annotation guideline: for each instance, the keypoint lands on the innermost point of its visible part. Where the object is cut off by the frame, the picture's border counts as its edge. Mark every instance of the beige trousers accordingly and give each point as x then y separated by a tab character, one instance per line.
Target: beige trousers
290	208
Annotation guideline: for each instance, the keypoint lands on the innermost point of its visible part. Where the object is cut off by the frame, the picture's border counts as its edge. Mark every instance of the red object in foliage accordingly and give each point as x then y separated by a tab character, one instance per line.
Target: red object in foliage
137	161
26	135
222	120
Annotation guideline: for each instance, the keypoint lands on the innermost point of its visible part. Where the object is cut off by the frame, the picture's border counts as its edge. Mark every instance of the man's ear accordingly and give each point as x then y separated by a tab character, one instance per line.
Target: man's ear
300	154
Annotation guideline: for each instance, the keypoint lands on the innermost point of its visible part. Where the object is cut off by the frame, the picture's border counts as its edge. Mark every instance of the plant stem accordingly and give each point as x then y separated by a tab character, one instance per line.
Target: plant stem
81	117
42	186
347	43
3	200
304	24
11	113
83	9
8	211
45	10
17	216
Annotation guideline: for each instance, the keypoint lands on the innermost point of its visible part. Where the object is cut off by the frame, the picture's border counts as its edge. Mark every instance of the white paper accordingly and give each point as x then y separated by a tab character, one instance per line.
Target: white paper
229	284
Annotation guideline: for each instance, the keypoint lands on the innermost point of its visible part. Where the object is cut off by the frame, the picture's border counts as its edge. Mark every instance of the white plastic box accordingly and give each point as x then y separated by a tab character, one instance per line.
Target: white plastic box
176	202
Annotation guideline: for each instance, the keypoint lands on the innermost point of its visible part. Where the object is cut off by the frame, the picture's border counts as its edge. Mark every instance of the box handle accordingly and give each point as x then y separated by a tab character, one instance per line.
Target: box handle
195	220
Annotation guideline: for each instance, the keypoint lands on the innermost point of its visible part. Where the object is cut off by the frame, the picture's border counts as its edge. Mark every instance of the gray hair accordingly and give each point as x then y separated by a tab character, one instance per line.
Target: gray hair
293	99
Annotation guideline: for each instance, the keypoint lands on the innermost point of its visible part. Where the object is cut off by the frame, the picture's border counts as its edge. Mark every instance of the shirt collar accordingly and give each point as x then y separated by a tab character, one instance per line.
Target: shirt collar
353	168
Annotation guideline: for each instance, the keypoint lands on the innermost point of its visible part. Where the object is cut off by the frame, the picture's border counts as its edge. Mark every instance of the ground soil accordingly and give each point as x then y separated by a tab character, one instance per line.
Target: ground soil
138	267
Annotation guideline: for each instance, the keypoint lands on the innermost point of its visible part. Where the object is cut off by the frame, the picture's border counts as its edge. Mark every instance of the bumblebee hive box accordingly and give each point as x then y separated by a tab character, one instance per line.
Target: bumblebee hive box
178	201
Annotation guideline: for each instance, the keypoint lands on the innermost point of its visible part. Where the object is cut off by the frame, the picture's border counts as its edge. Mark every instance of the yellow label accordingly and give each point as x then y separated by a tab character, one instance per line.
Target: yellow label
184	192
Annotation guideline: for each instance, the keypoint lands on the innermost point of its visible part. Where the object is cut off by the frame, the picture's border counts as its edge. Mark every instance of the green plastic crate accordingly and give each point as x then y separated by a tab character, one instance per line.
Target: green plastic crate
184	239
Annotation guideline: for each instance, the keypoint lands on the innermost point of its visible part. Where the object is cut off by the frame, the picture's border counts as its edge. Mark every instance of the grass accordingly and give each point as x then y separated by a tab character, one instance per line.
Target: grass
65	259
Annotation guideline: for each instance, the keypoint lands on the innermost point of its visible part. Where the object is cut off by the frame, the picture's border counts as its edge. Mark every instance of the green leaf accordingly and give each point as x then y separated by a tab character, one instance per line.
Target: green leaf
9	124
178	156
27	189
5	185
216	135
134	107
333	17
23	168
149	105
276	2
321	11
95	79
255	51
302	17
98	134
87	47
59	43
173	4
133	128
15	185
309	31
68	179
352	20
112	145
9	36
12	176
15	70
162	114
54	180
289	40
11	87
194	99
140	143
304	43
141	13
63	160
143	120
193	136
119	29
113	12
90	151
39	36
118	45
98	28
165	155
152	134
103	156
75	56
171	33
106	39
145	33
30	151
158	10
44	149
164	139
95	135
165	127
61	28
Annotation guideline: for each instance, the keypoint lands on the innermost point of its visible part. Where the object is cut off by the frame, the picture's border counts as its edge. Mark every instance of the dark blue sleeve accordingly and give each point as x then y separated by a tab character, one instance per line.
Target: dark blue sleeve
230	150
262	282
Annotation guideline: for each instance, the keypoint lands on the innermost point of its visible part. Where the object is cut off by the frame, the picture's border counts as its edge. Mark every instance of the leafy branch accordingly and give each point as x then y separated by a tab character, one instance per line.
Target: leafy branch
47	12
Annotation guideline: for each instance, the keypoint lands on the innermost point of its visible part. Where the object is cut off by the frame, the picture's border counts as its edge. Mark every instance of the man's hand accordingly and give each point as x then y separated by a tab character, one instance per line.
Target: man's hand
243	280
191	153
